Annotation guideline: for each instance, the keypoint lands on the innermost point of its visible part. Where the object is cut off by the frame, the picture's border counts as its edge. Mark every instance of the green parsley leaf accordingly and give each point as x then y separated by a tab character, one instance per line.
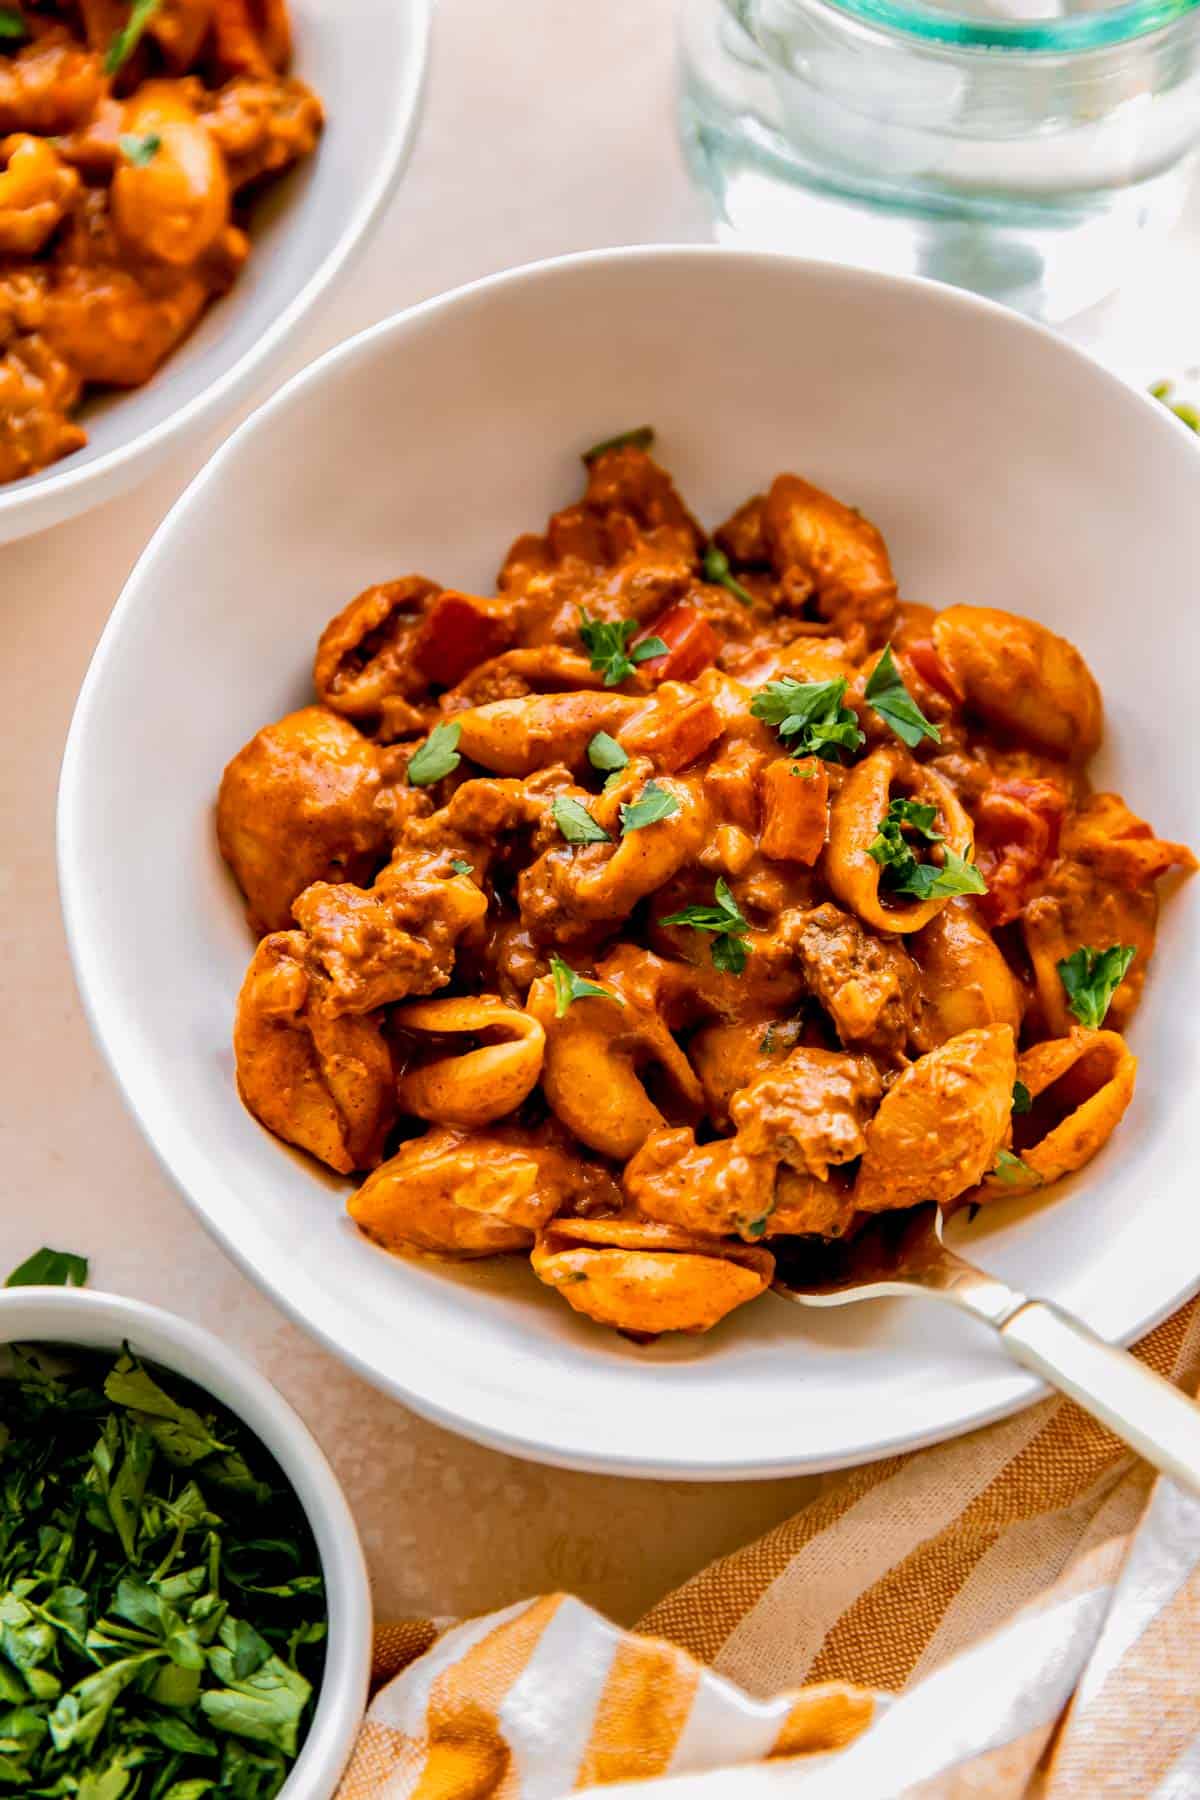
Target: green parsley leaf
890	848
729	928
576	822
180	1433
809	716
126	41
887	695
177	1734
927	881
437	756
1022	1100
715	568
905	875
12	24
1014	1171
139	149
767	1041
265	1706
729	954
917	816
639	438
789	703
569	986
50	1268
606	754
1187	415
607	644
1091	977
462	868
652	804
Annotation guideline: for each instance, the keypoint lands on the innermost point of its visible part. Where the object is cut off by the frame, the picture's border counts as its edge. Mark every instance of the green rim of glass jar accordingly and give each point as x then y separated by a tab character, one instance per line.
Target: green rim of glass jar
1082	31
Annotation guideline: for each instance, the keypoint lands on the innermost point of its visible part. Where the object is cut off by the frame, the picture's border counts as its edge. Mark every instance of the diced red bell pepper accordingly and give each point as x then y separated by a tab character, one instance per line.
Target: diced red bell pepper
795	794
672	729
458	632
692	644
1017	827
932	670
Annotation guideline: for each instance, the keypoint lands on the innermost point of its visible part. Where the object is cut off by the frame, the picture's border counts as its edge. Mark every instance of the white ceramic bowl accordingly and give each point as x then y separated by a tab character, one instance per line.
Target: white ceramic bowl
47	1315
1004	467
367	61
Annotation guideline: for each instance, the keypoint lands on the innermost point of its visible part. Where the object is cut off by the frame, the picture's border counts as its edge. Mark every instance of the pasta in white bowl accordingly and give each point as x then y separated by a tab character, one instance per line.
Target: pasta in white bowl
1006	475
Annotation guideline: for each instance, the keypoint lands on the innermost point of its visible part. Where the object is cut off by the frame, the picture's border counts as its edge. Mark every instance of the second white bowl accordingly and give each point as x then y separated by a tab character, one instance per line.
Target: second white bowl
367	62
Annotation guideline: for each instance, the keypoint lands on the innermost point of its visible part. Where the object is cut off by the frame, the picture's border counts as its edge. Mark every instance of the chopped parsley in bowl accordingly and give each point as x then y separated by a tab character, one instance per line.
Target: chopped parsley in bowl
165	1626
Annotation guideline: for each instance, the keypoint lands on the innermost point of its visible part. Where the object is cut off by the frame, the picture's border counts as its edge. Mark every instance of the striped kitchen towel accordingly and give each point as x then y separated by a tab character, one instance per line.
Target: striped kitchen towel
1012	1614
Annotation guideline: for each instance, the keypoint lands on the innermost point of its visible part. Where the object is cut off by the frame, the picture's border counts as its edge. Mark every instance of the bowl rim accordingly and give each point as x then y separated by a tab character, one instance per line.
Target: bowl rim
54	492
92	1317
1023	1388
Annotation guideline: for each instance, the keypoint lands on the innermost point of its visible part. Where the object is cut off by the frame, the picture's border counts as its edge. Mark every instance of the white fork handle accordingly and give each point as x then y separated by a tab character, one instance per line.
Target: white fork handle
1155	1418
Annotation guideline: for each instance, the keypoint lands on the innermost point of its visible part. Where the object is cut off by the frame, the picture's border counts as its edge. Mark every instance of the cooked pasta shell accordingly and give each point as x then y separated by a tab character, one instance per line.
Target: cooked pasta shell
484	1083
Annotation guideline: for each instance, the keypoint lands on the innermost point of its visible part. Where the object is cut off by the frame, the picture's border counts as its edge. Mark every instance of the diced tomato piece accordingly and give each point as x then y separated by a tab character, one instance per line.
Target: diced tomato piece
673	729
932	670
692	644
458	632
795	792
1017	827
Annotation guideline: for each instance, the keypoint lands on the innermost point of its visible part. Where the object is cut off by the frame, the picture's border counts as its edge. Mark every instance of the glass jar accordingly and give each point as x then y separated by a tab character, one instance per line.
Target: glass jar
1028	149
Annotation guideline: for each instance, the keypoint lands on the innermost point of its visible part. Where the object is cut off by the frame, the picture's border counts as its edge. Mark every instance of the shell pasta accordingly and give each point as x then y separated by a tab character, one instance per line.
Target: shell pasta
134	138
685	894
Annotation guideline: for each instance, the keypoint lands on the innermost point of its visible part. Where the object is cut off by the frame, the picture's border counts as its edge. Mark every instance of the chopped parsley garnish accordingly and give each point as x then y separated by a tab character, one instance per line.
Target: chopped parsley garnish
652	804
729	931
1014	1171
576	822
604	753
139	148
887	695
12	25
1187	415
918	816
639	438
437	756
569	986
903	873
161	1603
809	716
925	881
1022	1100
1091	978
462	868
715	568
125	42
50	1268
607	644
766	1044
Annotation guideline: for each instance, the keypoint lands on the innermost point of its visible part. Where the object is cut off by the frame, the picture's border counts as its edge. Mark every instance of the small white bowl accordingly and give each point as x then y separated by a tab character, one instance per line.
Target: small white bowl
367	62
53	1315
1003	467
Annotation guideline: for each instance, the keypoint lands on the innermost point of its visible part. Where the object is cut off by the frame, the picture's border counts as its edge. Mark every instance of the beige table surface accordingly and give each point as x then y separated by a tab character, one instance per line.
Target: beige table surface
562	141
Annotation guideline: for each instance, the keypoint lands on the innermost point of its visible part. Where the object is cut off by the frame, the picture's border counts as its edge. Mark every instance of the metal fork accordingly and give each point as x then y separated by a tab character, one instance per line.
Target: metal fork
903	1253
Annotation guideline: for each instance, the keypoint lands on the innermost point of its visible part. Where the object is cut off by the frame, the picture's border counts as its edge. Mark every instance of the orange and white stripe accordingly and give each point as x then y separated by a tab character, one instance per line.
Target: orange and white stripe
1016	1611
